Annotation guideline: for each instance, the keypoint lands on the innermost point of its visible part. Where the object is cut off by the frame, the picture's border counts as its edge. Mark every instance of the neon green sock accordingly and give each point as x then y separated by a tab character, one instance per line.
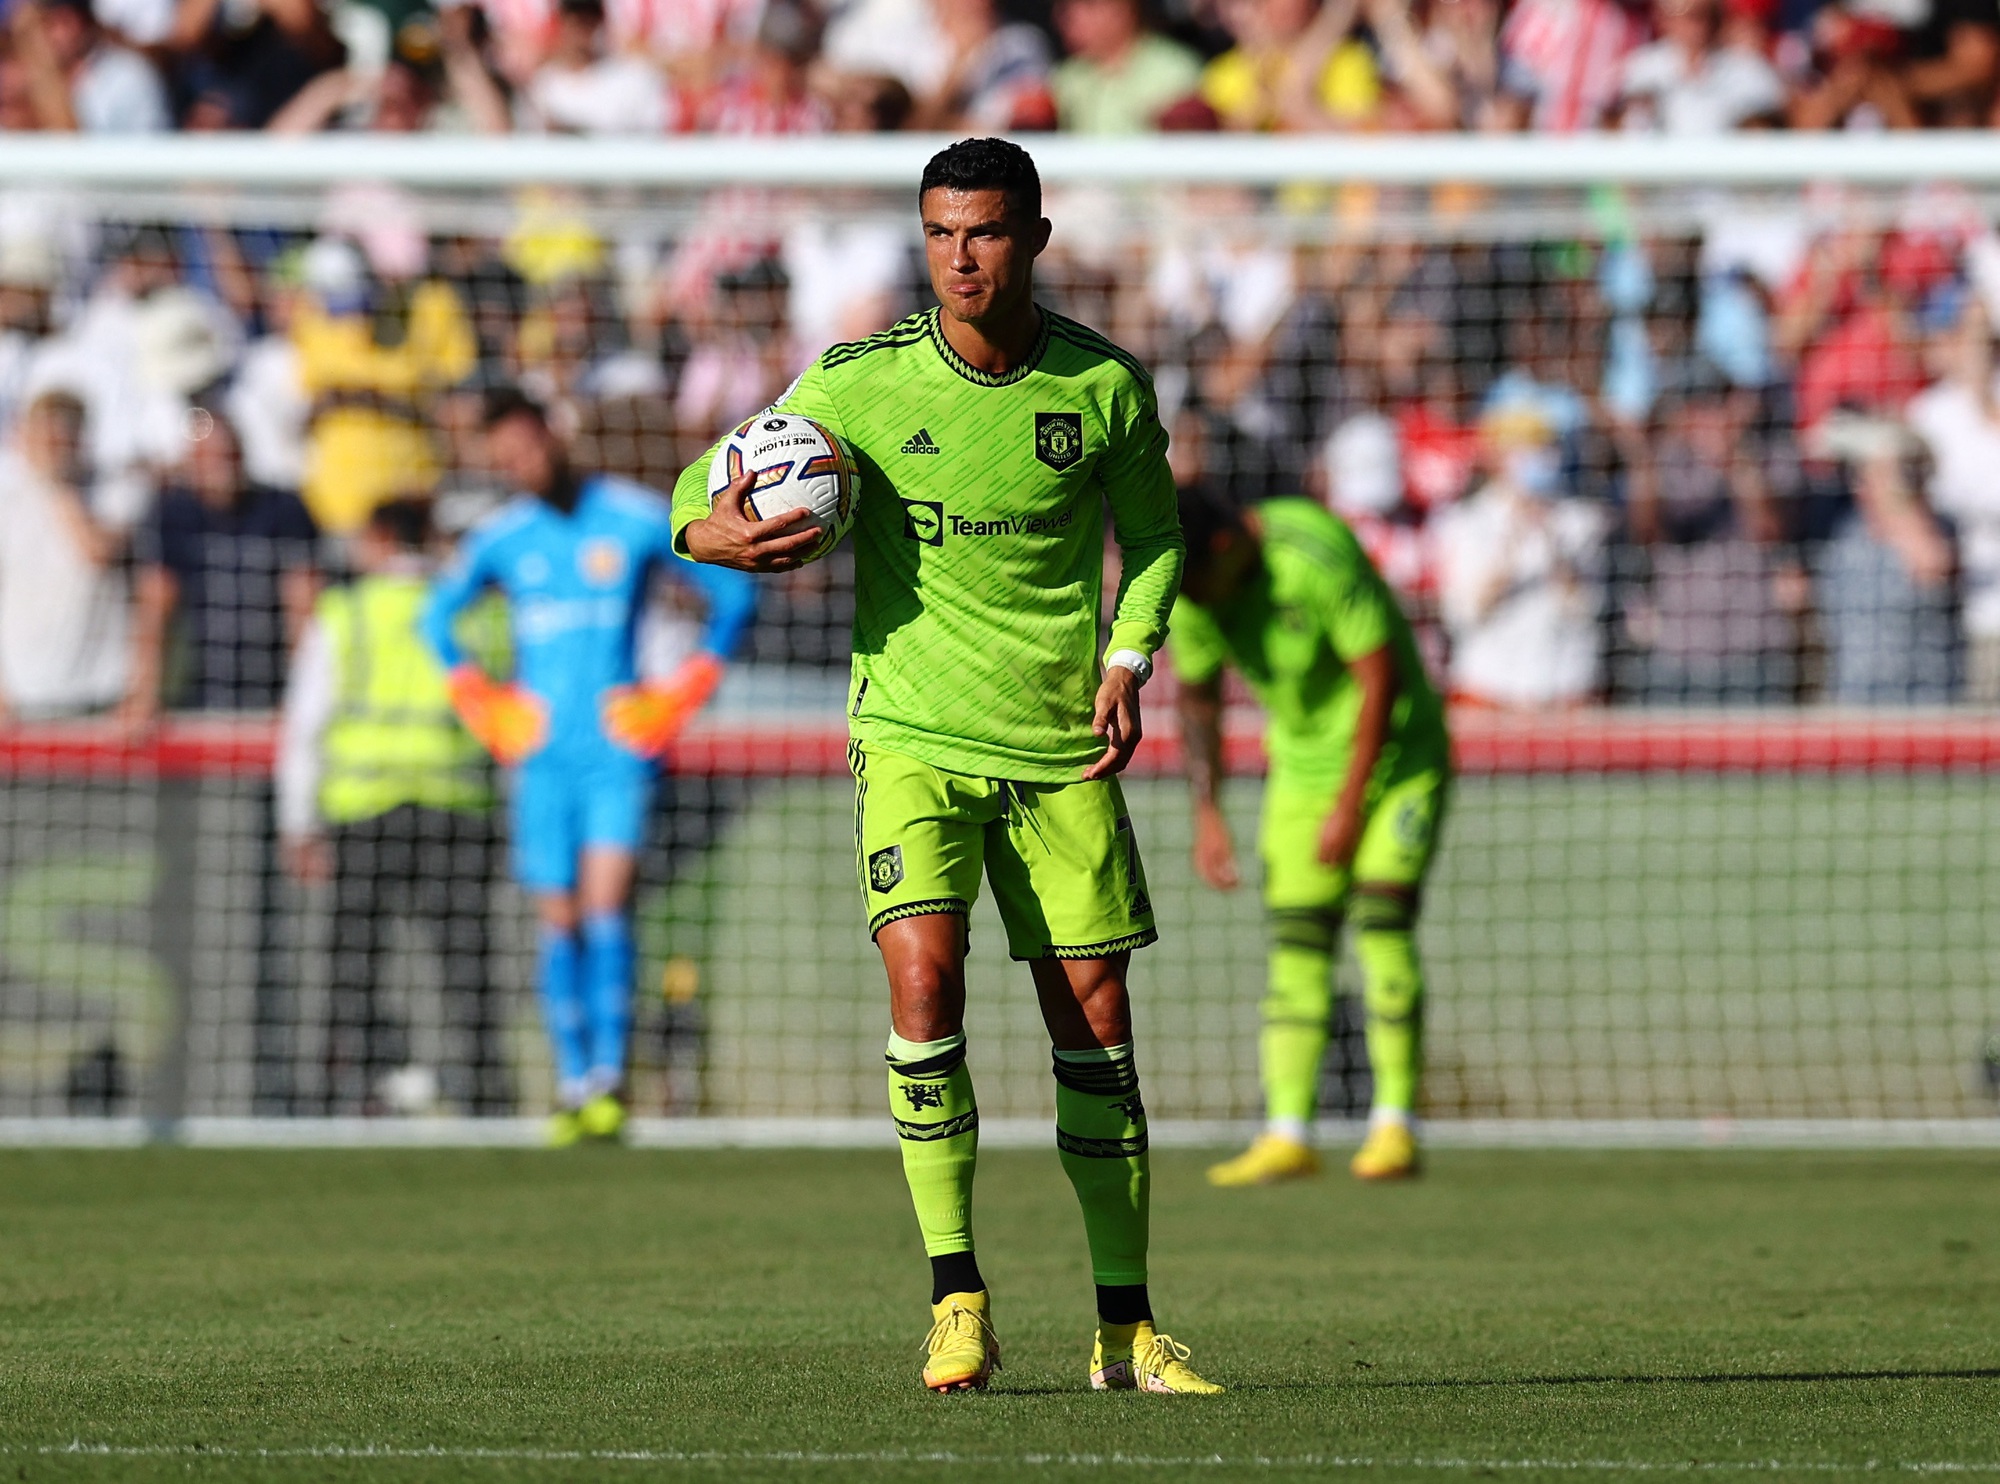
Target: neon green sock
937	1124
1393	991
1101	1138
1297	1006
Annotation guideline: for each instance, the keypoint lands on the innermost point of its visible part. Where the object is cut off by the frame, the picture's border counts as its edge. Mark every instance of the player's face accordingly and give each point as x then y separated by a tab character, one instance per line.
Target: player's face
524	452
981	254
1212	577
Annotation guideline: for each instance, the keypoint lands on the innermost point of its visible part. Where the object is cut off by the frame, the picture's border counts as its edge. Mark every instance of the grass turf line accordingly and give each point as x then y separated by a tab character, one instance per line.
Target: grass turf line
509	1315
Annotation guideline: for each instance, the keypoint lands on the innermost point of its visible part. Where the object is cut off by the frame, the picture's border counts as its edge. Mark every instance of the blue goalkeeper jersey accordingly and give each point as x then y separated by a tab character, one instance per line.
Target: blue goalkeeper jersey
576	586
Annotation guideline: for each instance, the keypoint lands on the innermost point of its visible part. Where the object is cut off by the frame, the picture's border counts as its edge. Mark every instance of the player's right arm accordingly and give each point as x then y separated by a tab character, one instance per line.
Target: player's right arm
723	533
1196	646
507	720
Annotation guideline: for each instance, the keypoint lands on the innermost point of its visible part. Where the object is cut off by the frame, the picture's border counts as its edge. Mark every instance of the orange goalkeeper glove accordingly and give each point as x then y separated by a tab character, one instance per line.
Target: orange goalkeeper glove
508	721
646	718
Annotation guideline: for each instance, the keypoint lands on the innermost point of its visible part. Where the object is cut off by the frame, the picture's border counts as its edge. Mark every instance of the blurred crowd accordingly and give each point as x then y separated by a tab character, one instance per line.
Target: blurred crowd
636	67
1739	451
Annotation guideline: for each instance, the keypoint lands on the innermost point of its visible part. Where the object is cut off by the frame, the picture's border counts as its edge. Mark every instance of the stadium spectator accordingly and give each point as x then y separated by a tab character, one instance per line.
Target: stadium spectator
1958	419
383	794
1717	623
770	91
584	87
240	64
1845	321
1440	62
63	613
236	563
1885	590
1296	65
370	437
1691	80
997	78
1118	76
897	40
1562	62
1520	576
1939	70
78	78
434	80
140	341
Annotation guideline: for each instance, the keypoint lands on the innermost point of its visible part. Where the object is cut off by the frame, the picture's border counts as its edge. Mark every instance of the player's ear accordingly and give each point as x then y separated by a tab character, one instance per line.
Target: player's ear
1039	237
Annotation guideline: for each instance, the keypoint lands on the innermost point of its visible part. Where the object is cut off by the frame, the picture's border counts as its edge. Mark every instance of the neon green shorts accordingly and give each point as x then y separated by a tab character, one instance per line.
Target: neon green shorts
1396	841
1061	857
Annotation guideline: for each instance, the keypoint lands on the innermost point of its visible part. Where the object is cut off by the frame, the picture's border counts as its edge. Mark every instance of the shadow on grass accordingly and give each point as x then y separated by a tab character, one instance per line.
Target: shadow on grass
1727	1378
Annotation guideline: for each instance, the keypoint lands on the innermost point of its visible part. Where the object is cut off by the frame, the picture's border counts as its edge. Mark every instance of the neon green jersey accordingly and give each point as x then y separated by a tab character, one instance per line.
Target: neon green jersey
1314	605
979	539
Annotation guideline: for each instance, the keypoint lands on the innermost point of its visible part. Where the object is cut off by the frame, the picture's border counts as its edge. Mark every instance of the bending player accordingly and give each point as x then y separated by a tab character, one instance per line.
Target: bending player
1360	768
576	557
985	735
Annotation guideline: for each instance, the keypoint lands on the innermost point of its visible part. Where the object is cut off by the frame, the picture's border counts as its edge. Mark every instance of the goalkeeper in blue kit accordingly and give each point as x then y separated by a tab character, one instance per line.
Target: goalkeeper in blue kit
576	558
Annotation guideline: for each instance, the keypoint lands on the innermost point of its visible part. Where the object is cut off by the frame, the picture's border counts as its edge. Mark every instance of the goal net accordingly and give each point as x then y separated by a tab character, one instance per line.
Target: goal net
1685	464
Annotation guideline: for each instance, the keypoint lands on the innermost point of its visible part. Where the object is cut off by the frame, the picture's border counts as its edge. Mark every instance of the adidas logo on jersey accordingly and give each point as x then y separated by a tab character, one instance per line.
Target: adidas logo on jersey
921	443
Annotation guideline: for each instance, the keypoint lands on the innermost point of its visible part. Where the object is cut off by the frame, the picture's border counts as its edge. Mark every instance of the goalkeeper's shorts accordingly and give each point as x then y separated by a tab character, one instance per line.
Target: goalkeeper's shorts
1398	837
1061	857
563	805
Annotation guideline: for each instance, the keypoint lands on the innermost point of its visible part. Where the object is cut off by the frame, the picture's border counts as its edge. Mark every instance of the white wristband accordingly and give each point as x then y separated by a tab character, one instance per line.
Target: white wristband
1131	659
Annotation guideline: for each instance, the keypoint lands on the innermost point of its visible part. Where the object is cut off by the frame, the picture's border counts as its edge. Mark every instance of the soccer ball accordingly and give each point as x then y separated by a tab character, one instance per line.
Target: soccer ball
800	464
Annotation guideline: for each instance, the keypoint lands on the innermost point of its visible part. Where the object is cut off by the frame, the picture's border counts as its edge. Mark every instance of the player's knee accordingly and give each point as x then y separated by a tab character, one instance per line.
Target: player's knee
1383	909
1312	929
557	911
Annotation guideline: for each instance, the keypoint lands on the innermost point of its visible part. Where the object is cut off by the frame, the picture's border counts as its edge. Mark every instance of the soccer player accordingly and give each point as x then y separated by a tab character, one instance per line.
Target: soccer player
576	557
985	736
1360	767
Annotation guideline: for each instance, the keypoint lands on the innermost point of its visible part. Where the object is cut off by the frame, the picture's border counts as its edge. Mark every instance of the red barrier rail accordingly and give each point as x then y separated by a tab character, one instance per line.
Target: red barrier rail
1488	744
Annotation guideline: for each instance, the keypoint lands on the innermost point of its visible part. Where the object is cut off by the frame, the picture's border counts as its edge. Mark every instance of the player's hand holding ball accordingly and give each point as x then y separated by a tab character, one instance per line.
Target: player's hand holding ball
646	718
507	720
781	491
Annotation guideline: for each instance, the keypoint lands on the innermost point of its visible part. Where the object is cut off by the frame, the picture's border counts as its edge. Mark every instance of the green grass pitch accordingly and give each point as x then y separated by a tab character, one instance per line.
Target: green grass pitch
197	1315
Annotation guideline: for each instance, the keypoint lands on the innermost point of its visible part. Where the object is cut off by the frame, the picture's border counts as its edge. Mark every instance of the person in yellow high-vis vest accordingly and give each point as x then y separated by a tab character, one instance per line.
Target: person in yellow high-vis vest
384	794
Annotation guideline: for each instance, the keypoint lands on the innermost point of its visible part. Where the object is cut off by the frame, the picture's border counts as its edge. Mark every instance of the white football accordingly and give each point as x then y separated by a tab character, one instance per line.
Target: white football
800	465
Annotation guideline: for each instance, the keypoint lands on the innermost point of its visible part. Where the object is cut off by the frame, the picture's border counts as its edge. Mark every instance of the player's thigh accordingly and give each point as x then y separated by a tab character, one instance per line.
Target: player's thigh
1066	872
1296	881
617	803
918	835
546	814
1399	838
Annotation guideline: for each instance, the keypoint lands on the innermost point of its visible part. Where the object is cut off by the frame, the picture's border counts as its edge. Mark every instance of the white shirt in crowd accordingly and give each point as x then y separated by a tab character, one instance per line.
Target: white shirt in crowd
64	620
1519	587
1964	443
1669	92
118	92
613	95
268	405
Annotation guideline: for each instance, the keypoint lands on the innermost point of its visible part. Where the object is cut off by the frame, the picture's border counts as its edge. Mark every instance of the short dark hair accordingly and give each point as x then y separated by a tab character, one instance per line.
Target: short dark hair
503	402
405	520
1209	521
986	165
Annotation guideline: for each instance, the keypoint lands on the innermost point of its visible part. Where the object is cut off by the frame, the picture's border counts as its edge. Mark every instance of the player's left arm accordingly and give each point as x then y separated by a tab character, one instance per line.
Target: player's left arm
1360	629
1146	515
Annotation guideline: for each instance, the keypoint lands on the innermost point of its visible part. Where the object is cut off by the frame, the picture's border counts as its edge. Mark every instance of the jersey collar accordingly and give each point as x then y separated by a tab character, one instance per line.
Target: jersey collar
971	372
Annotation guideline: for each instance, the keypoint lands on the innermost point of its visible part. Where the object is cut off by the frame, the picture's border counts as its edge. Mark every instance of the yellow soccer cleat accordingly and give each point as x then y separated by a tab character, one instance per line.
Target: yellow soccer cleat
565	1129
961	1351
1134	1357
1269	1159
602	1118
1388	1153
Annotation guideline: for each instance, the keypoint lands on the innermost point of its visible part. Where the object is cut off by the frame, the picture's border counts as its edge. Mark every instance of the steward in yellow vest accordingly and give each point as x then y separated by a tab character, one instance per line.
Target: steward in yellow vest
382	793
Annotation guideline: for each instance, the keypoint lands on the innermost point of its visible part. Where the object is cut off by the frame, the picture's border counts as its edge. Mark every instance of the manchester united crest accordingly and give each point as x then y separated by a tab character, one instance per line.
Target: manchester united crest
1059	438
